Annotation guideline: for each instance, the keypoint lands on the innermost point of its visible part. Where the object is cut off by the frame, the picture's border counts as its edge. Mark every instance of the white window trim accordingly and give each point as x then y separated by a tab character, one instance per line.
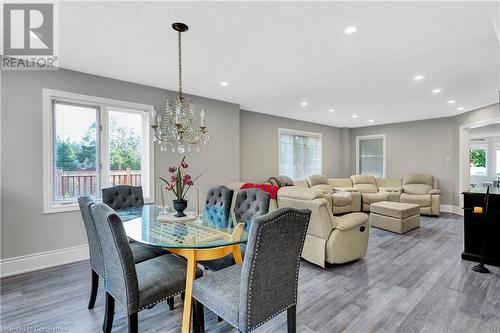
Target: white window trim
371	137
302	133
48	95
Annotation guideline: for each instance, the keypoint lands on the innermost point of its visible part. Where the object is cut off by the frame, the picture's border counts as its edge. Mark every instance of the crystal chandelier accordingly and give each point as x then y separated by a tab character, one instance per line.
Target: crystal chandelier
179	127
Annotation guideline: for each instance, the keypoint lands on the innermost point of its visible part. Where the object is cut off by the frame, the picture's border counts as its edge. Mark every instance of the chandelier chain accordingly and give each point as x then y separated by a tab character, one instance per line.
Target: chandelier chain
180	67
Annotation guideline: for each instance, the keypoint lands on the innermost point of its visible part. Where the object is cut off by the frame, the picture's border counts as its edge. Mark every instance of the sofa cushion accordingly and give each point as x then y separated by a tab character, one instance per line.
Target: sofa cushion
341	199
418	178
350	221
395	209
345	189
325	188
417	188
340	182
390	189
369	198
365	184
423	200
301	193
317	179
390	182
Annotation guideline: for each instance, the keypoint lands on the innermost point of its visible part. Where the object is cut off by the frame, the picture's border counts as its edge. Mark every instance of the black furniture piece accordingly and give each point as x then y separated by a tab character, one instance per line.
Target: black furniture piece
480	229
247	296
123	196
249	204
140	252
135	286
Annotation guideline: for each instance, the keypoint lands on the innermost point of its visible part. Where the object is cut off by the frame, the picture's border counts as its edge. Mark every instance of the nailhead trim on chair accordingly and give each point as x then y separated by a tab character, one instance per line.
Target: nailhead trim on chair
251	278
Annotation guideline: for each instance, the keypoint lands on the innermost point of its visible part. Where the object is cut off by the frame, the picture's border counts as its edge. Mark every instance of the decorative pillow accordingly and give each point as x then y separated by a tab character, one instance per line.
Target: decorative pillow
281	181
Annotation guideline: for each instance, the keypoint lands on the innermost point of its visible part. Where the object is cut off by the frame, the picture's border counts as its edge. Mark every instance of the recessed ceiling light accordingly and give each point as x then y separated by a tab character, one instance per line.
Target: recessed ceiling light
371	121
451	101
303	103
355	116
418	77
331	110
436	91
224	83
461	108
351	29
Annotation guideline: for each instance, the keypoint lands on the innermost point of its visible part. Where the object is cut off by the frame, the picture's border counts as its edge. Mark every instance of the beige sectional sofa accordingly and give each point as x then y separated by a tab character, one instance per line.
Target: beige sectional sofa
332	239
358	192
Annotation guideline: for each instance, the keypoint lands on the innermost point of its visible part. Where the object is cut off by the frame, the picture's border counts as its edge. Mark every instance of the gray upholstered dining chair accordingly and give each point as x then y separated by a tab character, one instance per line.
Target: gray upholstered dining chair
134	286
218	206
123	196
249	204
140	252
248	295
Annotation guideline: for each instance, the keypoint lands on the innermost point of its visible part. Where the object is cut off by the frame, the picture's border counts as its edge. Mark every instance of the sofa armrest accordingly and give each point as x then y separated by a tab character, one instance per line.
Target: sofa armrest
350	221
434	191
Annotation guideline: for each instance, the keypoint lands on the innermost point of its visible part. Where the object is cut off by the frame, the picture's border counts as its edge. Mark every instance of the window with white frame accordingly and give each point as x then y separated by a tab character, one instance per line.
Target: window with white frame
91	143
299	153
371	155
478	160
498	160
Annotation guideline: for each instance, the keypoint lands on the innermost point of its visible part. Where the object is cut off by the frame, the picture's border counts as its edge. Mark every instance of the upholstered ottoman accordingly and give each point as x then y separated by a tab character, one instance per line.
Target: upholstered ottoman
395	216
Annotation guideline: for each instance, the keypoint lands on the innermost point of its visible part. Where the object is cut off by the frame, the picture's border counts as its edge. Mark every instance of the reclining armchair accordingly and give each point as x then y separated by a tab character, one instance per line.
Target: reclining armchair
422	189
369	191
342	199
331	239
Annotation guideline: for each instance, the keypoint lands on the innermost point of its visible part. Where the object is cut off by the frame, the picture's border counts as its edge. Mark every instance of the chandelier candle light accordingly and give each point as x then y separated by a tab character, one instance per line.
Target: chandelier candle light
177	127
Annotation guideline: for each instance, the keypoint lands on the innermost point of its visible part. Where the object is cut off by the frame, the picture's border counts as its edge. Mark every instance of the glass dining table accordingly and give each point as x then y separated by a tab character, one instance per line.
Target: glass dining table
196	240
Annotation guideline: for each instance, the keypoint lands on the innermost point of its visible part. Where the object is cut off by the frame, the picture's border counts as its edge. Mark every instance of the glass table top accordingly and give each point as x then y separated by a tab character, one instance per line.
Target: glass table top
143	225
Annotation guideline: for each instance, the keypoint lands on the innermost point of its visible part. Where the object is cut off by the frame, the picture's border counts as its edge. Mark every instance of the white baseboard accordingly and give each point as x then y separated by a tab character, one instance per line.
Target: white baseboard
36	261
452	209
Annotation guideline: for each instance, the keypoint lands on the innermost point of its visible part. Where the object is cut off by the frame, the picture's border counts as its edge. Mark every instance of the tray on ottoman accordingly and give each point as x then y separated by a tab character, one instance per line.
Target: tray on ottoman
395	216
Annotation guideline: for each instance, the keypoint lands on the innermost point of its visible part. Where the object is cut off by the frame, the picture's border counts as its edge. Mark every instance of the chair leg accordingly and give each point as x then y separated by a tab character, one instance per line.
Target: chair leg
93	289
133	325
109	313
183	294
291	318
198	317
170	302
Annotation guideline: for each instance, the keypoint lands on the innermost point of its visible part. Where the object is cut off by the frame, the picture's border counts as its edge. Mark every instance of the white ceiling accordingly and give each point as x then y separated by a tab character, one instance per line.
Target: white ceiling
277	54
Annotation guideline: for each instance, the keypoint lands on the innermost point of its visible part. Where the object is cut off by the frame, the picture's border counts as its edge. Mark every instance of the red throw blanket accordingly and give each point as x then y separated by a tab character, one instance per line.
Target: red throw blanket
271	189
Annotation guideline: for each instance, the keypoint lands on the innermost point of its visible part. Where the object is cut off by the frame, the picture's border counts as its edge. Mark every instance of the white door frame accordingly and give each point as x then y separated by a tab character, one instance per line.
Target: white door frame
463	157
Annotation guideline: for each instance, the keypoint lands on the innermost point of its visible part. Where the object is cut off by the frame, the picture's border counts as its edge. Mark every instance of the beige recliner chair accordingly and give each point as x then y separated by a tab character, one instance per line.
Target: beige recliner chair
369	191
344	200
422	189
329	238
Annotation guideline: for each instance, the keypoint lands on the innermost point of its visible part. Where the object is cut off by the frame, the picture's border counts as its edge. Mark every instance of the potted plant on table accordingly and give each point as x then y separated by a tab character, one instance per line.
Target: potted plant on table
180	182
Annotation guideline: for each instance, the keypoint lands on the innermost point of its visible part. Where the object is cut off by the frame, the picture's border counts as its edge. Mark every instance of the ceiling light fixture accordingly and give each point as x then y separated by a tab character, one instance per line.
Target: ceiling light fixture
351	29
303	103
331	110
371	121
451	101
436	91
461	108
179	126
355	116
224	83
418	77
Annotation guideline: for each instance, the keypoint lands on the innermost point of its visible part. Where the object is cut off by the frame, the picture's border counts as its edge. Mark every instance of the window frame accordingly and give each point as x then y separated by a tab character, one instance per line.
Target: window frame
301	133
102	105
384	150
481	146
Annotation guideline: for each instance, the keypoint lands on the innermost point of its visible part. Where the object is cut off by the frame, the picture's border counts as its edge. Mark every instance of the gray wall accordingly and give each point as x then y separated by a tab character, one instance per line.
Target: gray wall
430	146
25	229
259	145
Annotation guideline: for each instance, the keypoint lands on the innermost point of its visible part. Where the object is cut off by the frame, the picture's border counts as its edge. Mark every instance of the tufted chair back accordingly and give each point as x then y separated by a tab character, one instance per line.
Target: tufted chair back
218	205
249	204
123	196
269	275
120	277
96	260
